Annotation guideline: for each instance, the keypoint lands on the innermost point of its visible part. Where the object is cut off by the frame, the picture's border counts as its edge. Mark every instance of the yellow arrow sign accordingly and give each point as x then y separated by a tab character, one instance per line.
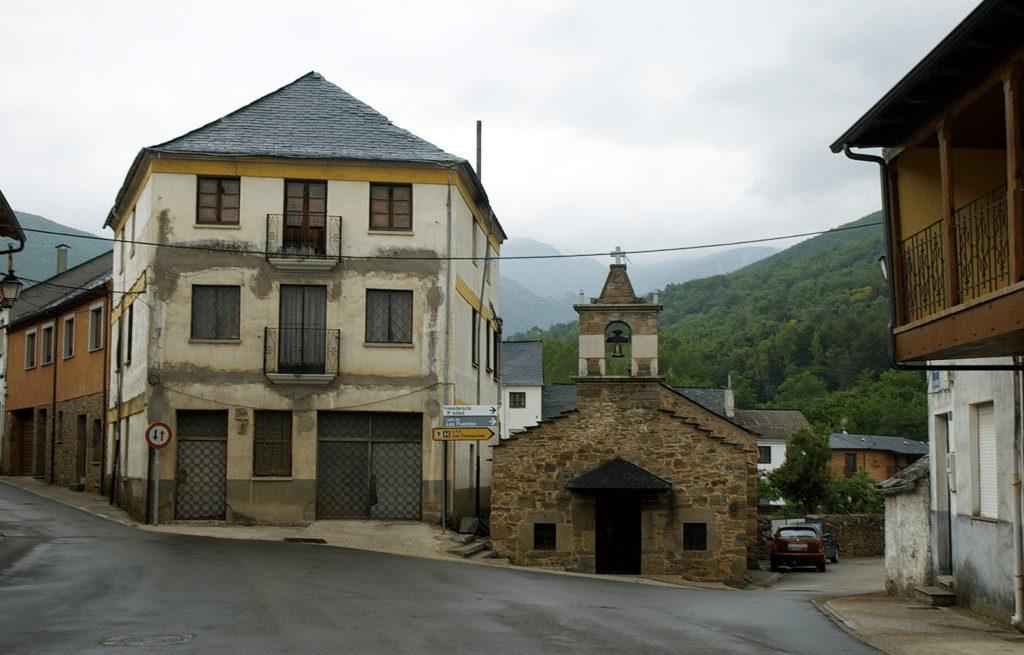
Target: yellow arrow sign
462	434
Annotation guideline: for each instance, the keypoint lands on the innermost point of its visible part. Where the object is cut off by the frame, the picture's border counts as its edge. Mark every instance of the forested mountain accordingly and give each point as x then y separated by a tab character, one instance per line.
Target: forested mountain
38	261
803	329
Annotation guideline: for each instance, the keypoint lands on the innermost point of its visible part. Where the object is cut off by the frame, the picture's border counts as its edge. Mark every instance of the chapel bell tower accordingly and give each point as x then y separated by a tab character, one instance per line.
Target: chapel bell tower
618	331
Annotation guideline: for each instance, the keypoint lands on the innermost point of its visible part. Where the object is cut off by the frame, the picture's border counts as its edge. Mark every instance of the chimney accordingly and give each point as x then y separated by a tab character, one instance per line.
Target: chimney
62	258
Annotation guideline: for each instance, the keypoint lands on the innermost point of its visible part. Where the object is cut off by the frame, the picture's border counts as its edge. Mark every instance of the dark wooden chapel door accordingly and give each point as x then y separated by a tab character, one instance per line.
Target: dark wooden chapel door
618	532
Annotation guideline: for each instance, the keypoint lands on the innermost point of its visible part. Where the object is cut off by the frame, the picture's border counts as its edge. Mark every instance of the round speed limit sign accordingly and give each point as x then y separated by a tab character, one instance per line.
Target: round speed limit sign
158	435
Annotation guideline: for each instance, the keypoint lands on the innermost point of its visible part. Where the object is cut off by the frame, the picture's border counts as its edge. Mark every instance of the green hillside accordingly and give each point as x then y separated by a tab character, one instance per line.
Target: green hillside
38	261
803	329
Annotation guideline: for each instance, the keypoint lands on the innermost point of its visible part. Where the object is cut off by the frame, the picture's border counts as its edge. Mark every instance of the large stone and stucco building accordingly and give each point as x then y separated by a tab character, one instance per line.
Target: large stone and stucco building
637	478
301	287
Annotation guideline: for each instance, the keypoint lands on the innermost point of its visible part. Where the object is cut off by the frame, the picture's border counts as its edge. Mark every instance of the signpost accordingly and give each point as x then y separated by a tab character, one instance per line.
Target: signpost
462	434
470	416
158	435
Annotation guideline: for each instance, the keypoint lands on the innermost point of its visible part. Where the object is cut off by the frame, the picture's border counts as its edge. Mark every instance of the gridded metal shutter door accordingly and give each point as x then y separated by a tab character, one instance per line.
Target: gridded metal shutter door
396	480
202	472
343	480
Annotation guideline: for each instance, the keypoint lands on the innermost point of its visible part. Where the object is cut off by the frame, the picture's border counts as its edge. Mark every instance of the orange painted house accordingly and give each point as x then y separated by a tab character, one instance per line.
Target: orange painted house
881	457
56	366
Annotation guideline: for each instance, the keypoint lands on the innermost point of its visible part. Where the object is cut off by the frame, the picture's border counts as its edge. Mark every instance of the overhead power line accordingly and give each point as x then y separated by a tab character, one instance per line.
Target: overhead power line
444	258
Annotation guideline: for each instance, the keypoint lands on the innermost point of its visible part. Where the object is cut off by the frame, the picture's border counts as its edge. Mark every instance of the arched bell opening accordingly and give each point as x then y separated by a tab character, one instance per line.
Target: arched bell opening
618	349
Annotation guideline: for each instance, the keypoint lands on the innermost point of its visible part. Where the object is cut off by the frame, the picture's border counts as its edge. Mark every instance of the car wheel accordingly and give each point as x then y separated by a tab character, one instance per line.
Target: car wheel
821	567
835	558
774	566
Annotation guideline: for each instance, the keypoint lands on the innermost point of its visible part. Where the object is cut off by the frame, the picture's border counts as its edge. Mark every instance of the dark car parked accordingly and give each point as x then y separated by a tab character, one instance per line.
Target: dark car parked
797	546
829	539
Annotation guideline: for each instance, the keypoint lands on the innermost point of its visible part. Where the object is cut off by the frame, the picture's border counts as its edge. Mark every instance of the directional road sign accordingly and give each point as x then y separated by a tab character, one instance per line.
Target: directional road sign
462	434
470	416
158	435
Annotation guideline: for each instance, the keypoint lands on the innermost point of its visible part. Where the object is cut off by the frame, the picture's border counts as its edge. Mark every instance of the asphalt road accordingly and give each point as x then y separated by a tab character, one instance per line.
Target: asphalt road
70	581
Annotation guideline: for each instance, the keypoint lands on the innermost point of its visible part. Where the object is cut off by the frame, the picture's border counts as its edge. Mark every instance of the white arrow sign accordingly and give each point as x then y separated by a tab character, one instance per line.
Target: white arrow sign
470	410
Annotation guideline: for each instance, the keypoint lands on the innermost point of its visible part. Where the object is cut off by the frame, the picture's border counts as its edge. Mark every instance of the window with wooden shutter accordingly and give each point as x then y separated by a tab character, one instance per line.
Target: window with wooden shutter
390	207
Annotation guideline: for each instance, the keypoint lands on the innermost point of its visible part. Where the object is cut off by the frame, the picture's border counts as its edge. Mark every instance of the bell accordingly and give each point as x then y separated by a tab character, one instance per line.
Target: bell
617	350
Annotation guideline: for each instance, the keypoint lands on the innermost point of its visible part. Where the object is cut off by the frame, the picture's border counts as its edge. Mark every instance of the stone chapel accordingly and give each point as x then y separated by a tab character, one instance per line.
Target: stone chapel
638	479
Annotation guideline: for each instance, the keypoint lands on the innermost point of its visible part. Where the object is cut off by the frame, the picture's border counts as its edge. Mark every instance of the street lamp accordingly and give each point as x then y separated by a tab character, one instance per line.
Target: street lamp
10	286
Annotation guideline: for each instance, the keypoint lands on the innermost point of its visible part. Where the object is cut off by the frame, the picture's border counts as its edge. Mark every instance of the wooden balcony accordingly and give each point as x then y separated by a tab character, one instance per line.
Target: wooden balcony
964	305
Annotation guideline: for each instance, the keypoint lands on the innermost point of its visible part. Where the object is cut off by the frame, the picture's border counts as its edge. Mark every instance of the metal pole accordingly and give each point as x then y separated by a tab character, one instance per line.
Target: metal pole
156	485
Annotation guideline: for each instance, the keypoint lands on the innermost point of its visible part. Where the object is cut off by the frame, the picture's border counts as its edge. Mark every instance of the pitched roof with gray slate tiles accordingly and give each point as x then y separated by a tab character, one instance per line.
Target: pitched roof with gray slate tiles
907	479
708	398
557	399
772	424
310	118
522	363
875	442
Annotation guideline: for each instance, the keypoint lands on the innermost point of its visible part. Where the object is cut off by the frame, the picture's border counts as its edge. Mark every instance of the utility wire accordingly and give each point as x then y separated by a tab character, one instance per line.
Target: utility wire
443	258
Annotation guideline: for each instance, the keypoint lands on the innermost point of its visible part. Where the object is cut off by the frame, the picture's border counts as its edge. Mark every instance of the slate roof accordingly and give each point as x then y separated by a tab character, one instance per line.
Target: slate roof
620	475
557	399
310	118
772	424
710	399
522	363
874	442
907	479
63	288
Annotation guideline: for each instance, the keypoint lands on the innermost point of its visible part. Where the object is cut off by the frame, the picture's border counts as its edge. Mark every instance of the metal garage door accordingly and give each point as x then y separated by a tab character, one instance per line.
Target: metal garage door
369	465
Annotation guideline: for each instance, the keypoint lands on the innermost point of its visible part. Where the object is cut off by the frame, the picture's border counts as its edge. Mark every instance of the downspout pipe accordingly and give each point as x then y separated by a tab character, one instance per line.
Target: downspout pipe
1017	620
883	171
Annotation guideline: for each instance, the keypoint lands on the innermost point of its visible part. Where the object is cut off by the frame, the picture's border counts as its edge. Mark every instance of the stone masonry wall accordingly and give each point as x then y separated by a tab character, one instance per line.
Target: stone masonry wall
711	477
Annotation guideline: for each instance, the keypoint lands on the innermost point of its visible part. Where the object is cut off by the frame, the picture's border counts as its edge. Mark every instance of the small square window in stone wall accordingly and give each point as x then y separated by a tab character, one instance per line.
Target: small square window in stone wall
544	536
695	536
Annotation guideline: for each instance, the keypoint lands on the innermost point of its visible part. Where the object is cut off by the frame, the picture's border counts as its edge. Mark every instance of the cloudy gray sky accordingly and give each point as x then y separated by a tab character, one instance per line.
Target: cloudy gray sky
640	124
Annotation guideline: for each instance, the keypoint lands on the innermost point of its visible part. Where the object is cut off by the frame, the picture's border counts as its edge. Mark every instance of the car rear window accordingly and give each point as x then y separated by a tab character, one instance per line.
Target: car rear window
803	533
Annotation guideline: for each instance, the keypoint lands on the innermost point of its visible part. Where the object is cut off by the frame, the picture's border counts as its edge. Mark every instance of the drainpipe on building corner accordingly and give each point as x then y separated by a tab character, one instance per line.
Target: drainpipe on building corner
1017	621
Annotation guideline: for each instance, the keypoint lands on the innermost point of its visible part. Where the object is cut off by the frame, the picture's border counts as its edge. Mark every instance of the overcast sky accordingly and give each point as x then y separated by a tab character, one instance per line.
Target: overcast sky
635	124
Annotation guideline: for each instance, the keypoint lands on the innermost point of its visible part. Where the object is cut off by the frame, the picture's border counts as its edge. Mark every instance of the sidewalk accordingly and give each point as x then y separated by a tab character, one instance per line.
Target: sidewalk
892	624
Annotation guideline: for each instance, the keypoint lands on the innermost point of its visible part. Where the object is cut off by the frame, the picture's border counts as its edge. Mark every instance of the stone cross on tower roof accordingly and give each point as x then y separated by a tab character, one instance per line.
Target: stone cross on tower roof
618	255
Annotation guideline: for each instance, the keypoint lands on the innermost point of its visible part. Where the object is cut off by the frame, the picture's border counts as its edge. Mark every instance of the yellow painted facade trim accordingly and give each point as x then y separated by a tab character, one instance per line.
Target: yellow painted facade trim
385	174
128	298
128	408
474	301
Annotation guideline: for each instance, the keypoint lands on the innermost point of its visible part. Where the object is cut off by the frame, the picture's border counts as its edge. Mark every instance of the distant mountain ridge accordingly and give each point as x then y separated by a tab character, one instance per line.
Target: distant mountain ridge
38	261
540	290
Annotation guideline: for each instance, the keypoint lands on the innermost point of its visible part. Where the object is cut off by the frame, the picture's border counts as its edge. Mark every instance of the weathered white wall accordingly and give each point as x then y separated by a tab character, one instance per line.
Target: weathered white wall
976	550
908	561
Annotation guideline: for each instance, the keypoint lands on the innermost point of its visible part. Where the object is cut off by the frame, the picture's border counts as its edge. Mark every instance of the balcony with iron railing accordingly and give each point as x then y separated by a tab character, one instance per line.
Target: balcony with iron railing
301	355
957	295
301	242
982	257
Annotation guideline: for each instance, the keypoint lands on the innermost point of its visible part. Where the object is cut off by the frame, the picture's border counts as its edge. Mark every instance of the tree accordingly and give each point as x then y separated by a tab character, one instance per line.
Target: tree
804	479
855	495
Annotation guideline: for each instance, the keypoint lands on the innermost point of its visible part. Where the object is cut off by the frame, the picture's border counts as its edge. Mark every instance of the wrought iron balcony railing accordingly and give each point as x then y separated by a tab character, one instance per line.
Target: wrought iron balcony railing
980	235
982	245
302	236
924	289
301	350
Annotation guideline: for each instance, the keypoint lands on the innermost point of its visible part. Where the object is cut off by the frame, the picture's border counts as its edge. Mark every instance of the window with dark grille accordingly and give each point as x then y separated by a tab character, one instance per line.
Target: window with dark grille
517	399
272	443
215	312
388	316
851	462
764	454
475	341
129	328
201	424
544	536
217	200
695	536
390	207
497	355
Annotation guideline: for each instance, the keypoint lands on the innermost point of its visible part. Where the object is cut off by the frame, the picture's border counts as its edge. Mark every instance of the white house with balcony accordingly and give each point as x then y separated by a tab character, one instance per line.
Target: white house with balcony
302	285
